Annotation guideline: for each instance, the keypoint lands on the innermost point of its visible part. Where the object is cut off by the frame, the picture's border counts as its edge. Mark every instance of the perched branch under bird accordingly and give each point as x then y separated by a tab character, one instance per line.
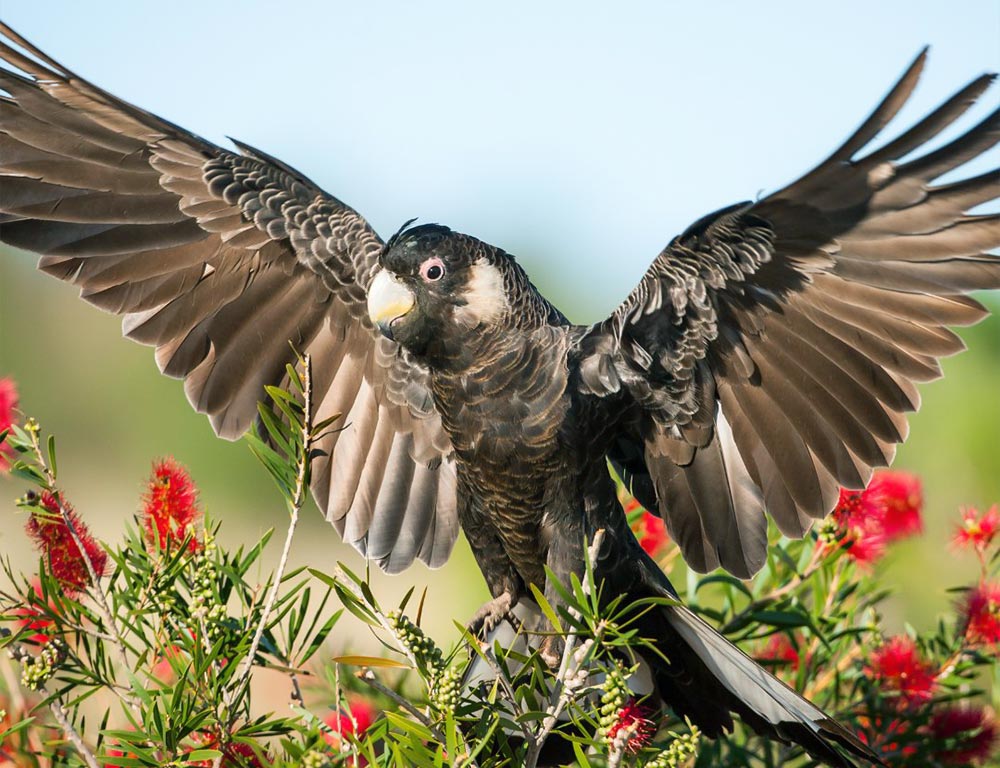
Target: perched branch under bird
767	357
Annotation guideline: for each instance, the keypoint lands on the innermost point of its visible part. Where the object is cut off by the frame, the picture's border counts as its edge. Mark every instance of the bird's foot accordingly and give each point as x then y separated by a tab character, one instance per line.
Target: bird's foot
489	616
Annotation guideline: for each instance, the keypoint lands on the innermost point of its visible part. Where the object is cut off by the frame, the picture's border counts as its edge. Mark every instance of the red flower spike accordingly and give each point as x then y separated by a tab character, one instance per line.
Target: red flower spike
892	740
356	720
974	728
981	614
886	511
170	506
634	719
779	649
652	533
859	527
8	402
977	531
32	616
897	665
52	536
899	498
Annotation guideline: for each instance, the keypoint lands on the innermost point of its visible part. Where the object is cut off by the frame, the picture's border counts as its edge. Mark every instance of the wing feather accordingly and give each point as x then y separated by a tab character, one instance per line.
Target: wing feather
815	310
223	262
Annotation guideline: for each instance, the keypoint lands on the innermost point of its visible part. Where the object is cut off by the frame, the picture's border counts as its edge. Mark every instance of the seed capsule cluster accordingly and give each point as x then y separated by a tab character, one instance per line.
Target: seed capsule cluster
412	637
446	689
205	604
35	672
314	758
615	692
680	751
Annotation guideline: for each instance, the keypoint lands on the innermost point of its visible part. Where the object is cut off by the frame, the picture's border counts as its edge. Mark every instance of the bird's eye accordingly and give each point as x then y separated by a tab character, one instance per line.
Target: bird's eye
432	270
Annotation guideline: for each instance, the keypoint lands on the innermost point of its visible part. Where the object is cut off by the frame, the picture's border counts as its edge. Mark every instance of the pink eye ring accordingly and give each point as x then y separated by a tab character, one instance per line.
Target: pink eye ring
432	270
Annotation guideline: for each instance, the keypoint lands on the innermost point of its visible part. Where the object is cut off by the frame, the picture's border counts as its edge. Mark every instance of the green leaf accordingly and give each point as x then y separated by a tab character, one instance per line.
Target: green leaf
546	608
781	618
51	445
30	473
724	578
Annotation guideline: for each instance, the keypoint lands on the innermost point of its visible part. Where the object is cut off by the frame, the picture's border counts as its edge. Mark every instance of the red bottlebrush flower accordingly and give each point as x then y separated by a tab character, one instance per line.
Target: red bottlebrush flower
974	728
32	616
859	528
981	614
170	506
8	402
899	667
652	533
356	720
634	723
648	527
977	531
899	498
887	510
52	536
892	740
779	649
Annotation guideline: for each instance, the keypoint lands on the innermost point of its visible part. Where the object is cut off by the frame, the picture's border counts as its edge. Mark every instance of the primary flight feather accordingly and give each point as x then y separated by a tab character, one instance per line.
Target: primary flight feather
767	357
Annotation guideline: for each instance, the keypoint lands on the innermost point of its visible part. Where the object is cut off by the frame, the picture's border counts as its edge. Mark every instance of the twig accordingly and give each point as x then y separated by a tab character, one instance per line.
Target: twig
127	693
564	688
296	695
368	677
242	679
61	716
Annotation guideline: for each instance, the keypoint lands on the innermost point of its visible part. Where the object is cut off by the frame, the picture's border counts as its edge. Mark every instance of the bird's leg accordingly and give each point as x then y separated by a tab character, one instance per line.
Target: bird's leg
492	613
565	557
501	577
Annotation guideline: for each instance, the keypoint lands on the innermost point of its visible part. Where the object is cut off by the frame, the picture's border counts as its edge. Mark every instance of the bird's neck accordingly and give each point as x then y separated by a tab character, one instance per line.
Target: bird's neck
470	352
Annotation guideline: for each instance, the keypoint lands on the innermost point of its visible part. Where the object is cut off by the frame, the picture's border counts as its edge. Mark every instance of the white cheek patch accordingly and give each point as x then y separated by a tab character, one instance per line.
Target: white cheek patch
485	295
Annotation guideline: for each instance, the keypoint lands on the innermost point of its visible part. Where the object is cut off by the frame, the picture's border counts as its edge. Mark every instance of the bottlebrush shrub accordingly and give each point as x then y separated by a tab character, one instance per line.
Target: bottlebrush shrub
143	656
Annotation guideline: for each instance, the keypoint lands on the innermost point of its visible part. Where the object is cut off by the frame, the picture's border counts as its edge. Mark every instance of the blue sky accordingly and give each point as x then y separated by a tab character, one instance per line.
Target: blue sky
579	136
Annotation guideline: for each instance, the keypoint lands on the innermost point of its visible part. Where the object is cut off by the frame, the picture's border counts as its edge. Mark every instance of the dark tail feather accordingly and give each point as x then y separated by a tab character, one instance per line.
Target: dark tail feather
708	679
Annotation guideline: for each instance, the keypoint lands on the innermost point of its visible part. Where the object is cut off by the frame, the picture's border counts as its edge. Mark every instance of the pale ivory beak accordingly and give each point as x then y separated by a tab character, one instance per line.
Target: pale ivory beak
388	299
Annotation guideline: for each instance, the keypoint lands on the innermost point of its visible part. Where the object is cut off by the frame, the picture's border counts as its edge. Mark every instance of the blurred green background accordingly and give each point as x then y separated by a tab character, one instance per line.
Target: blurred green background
580	138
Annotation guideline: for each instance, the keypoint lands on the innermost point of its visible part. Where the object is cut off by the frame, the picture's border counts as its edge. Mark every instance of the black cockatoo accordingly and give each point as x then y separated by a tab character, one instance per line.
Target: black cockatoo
766	358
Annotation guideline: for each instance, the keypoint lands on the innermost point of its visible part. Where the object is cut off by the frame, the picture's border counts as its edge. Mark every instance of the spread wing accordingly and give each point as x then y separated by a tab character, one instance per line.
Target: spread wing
769	354
219	260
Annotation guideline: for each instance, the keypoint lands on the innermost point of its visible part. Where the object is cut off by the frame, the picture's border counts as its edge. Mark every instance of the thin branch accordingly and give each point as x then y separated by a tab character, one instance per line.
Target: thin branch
242	680
368	677
127	693
568	678
59	713
296	694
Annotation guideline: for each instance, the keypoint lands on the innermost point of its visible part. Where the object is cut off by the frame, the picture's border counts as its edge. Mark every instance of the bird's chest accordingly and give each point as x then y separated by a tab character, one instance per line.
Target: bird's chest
507	420
510	408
